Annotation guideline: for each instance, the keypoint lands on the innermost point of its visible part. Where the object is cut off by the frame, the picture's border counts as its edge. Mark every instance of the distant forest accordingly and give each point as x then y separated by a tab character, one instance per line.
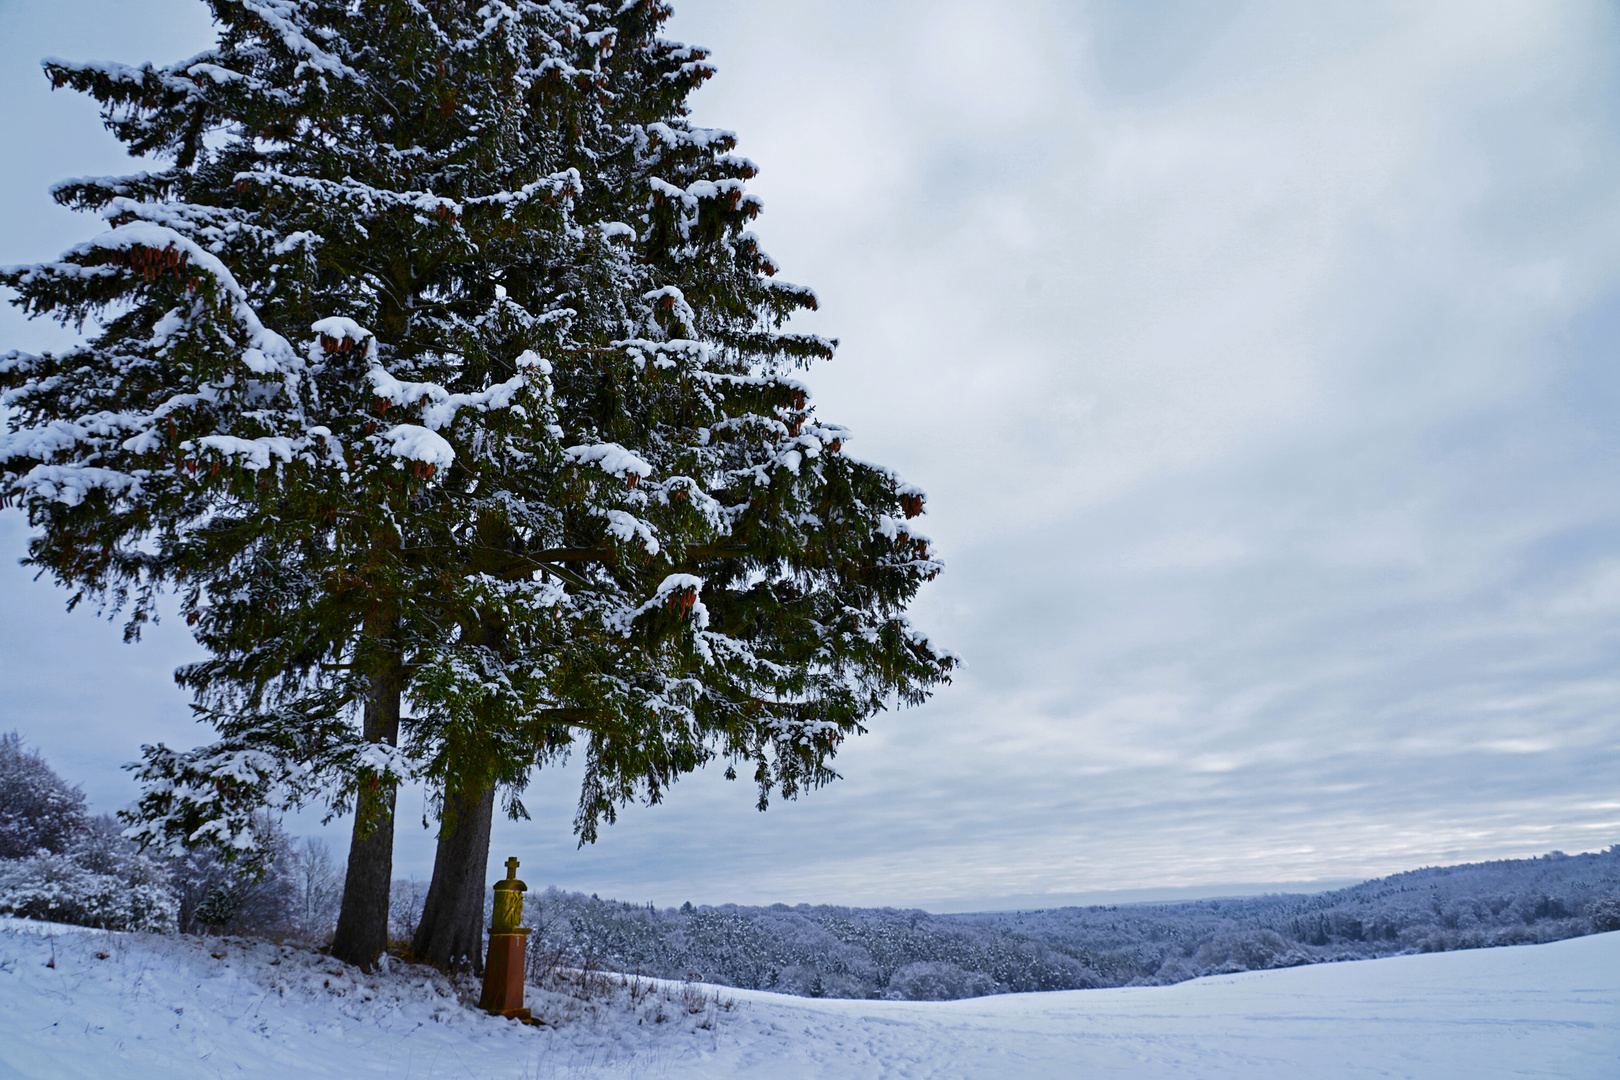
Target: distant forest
830	951
59	863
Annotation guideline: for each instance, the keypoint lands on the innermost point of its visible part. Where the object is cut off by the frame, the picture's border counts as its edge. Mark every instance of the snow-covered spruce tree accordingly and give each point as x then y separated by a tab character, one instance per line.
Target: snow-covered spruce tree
439	364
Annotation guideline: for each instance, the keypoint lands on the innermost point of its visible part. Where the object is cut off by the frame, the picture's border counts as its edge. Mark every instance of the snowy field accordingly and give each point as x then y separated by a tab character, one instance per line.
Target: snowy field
125	1005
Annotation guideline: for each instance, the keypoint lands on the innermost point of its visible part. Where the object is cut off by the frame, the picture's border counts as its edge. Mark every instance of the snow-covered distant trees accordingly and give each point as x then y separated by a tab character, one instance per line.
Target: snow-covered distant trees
59	863
40	812
438	365
219	895
318	886
103	881
828	951
812	951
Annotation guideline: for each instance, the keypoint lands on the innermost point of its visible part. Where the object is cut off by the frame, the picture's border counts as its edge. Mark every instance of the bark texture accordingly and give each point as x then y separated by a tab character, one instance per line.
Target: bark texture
362	927
451	933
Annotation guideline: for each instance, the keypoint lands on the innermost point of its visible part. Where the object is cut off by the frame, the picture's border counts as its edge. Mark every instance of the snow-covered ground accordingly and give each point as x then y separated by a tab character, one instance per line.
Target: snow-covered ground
154	1008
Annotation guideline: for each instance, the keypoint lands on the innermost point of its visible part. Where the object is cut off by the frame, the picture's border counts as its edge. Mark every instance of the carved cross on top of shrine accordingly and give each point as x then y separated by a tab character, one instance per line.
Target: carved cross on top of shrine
511	868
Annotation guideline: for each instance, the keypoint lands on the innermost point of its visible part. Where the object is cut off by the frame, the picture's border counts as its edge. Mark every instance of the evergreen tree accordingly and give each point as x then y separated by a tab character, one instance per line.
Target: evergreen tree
439	365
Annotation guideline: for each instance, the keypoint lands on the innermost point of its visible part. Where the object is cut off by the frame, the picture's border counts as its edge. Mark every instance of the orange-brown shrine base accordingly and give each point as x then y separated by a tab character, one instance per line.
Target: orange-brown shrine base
503	975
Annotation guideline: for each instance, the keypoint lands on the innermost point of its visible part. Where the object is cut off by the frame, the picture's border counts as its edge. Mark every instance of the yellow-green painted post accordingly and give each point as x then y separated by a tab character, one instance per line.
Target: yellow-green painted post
503	971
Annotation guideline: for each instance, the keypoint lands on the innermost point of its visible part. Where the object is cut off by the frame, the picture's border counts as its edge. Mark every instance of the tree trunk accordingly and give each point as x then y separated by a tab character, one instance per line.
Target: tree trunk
362	927
451	933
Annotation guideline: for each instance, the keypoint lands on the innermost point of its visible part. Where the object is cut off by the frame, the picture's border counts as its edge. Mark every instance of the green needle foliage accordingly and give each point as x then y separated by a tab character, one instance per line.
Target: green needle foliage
438	364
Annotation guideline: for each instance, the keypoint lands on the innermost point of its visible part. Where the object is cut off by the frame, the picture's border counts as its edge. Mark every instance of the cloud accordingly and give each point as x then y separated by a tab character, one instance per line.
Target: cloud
1257	358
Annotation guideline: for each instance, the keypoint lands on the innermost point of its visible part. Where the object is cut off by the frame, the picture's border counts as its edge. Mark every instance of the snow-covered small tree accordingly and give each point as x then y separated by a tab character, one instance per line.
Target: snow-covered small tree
440	365
40	812
318	882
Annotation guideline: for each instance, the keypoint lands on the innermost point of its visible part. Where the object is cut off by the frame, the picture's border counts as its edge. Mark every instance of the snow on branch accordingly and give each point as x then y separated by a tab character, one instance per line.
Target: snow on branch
69	484
121	76
672	300
627	527
413	443
254	454
531	359
82	192
697	352
803	294
613	459
281	16
367	199
138	243
43	442
566	184
682	595
730	191
441	406
340	329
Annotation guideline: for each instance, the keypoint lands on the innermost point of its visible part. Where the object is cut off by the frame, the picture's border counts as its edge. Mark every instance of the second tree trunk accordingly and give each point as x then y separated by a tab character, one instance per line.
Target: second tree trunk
451	933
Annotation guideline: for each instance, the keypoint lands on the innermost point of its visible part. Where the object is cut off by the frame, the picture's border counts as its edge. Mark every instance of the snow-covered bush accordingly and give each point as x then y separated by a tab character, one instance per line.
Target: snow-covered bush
1605	914
58	864
807	980
39	811
102	881
104	850
935	981
1173	970
1251	950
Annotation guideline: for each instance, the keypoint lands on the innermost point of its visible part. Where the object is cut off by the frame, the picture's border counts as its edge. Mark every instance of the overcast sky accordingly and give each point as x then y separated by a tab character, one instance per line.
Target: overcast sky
1259	360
